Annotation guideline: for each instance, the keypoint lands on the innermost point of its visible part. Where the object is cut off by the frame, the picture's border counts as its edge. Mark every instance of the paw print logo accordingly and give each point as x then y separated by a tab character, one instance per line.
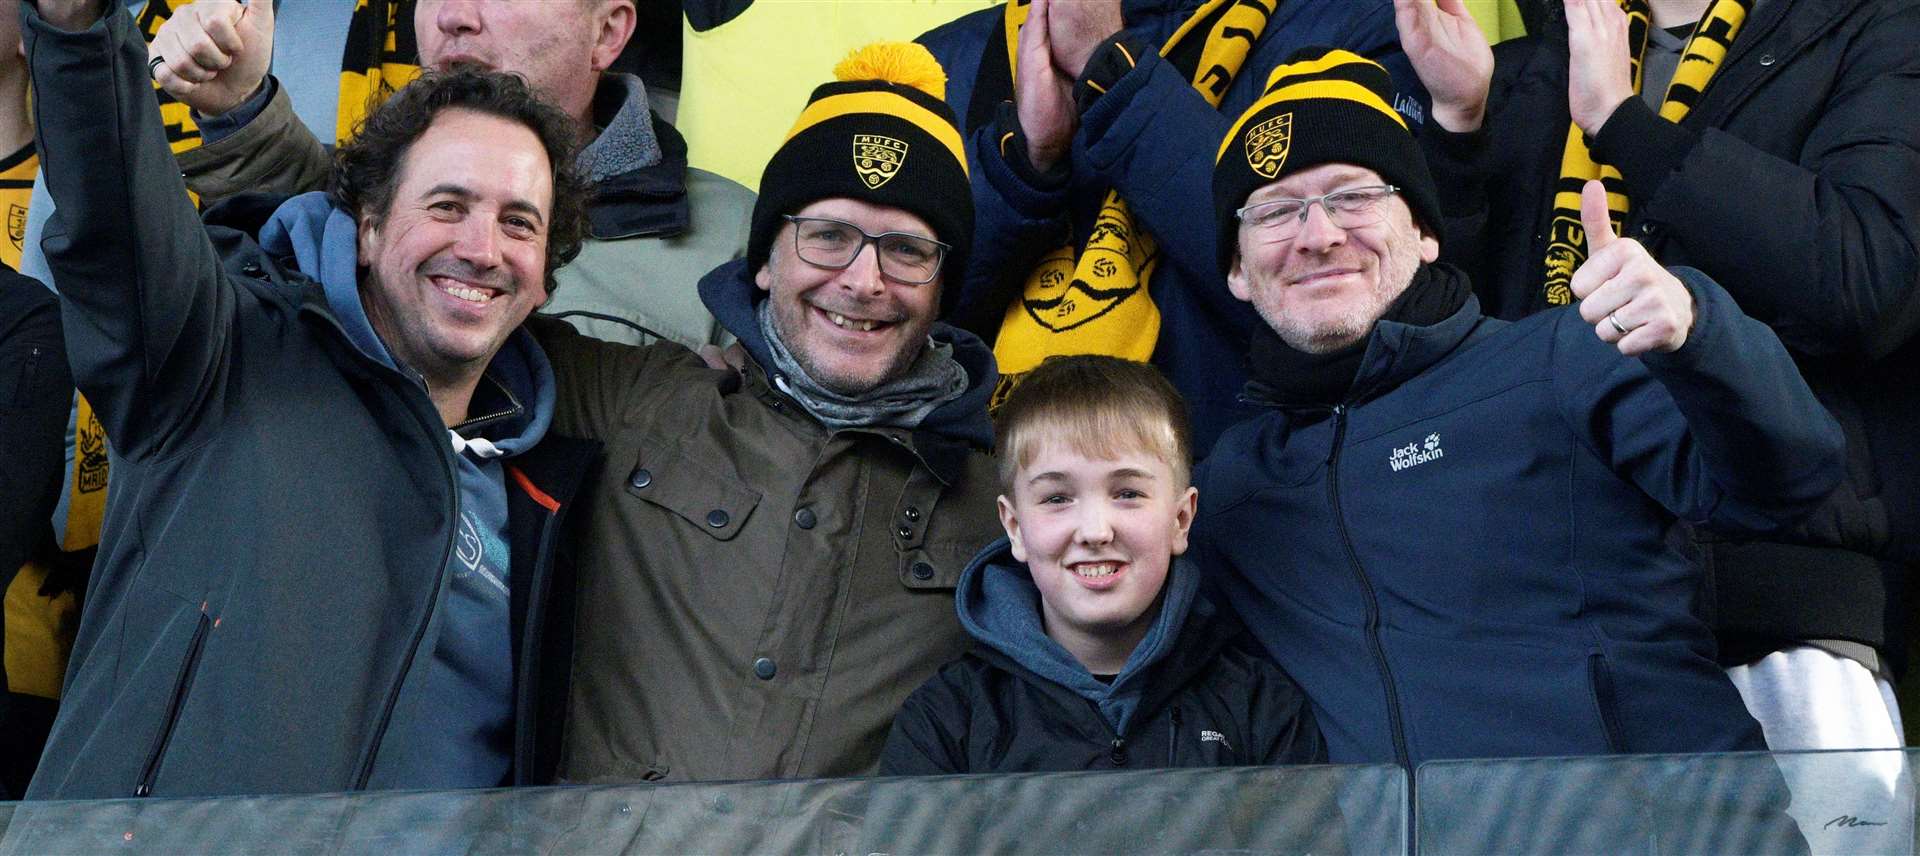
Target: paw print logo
1433	442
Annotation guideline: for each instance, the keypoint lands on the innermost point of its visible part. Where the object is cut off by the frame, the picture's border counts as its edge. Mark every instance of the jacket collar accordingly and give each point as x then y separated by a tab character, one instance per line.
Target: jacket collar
947	436
649	201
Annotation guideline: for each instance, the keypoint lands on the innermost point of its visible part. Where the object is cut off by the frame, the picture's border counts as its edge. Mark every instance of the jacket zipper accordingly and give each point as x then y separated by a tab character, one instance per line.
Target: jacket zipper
1173	733
1366	587
433	605
529	653
181	685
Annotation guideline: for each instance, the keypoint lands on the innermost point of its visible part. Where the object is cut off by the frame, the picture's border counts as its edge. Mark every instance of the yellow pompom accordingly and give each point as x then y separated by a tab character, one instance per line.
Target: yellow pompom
905	63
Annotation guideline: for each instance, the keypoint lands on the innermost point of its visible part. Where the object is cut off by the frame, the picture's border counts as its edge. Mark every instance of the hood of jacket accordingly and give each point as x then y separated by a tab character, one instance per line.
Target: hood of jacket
731	295
321	241
999	606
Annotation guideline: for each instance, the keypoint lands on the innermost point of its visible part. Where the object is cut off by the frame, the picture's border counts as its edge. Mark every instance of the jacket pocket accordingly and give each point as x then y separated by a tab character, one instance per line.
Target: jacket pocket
181	686
1600	679
713	502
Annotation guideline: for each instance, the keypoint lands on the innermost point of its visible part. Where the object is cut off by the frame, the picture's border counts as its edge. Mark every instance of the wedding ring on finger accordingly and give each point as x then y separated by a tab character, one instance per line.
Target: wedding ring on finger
1616	325
153	65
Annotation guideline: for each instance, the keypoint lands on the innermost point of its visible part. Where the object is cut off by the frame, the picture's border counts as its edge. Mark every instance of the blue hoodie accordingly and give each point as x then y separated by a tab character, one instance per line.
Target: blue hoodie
453	725
1000	606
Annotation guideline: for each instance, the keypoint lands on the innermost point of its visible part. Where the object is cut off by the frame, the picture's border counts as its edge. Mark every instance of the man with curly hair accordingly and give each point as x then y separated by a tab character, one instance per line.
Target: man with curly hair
325	562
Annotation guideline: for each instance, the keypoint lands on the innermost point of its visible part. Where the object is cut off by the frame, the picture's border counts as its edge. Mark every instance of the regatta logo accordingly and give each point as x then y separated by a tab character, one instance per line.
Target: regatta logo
1210	736
1415	454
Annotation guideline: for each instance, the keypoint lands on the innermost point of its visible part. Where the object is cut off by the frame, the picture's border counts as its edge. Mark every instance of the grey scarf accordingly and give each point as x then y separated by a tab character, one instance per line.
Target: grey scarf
935	378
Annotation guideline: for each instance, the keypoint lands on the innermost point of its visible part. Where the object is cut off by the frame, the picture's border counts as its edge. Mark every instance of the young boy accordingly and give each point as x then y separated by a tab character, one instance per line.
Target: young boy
1095	648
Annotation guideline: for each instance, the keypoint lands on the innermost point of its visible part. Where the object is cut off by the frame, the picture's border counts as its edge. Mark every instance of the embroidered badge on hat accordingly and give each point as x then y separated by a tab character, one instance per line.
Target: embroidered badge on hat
877	158
1267	145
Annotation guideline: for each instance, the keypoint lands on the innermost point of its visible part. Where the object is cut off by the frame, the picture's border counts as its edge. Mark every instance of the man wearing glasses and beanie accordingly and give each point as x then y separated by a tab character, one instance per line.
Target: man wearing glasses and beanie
1449	528
769	564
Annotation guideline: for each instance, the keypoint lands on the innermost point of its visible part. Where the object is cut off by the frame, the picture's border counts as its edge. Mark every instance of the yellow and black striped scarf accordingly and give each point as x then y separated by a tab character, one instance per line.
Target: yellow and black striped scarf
1094	299
1566	241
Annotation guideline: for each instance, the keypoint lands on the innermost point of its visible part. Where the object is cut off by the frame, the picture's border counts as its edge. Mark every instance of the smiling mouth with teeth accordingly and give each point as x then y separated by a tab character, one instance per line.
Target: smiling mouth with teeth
846	323
1096	569
467	292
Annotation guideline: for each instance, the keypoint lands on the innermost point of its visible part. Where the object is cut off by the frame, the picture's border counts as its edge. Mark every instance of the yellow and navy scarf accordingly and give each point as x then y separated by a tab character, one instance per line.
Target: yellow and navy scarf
1567	242
381	56
1094	298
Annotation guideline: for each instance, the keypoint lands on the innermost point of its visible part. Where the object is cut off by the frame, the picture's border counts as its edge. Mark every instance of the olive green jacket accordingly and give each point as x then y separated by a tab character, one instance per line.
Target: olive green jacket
757	594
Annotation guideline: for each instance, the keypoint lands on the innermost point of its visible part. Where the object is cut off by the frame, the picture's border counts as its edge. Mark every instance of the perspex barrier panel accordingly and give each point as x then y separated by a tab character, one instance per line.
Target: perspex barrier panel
1852	803
1344	809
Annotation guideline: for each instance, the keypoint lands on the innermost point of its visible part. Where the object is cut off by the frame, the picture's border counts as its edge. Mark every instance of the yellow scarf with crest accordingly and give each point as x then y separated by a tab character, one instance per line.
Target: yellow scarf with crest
1094	298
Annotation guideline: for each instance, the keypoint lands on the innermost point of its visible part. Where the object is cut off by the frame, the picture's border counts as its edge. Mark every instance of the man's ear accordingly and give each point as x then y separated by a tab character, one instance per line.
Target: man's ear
1429	244
366	237
613	26
764	277
1183	518
1011	523
1237	280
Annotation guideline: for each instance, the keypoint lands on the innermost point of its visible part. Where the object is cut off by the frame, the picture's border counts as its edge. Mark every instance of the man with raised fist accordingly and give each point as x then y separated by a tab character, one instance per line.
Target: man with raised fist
336	500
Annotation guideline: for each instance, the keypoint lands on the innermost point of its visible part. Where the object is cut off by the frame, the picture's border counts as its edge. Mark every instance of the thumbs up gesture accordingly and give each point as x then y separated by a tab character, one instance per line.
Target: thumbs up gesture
1631	301
213	54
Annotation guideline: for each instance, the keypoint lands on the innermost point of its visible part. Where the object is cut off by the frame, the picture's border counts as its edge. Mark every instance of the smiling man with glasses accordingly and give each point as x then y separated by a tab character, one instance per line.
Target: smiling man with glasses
769	566
1449	528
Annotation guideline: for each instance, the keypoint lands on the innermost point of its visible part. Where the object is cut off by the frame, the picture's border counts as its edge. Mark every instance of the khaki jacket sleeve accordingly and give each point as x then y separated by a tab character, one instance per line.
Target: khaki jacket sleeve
274	153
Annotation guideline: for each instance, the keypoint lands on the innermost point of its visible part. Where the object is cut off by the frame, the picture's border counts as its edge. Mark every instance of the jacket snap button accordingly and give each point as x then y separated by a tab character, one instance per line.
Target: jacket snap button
253	269
804	518
1118	757
906	532
922	571
1766	59
640	478
1647	228
763	669
717	519
913	512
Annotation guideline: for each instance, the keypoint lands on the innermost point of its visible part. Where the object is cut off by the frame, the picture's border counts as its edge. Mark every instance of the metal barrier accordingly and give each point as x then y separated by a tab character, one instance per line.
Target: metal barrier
1349	809
1796	802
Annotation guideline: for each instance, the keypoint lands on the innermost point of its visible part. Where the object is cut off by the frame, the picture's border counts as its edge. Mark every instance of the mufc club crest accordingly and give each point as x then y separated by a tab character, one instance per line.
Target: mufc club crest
1267	145
16	225
877	159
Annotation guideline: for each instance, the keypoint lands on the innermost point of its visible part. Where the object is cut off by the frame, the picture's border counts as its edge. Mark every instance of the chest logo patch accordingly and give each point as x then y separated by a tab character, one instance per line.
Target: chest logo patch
877	159
1415	454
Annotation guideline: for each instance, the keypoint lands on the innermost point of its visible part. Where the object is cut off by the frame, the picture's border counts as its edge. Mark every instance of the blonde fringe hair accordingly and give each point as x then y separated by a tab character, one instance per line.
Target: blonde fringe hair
1098	406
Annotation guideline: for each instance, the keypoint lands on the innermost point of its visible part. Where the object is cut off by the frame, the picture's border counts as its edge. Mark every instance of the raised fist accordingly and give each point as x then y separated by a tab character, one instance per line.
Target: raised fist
213	54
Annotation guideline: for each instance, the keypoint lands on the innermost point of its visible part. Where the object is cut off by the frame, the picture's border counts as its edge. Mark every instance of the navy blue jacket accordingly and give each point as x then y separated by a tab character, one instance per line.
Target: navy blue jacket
1466	557
1152	137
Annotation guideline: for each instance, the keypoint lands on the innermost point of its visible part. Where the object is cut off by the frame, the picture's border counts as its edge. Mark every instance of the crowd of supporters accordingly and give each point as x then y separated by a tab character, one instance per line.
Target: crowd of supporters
388	402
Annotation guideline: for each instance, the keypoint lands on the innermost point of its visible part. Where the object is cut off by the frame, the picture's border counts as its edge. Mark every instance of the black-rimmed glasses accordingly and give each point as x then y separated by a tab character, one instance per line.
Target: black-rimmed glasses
834	244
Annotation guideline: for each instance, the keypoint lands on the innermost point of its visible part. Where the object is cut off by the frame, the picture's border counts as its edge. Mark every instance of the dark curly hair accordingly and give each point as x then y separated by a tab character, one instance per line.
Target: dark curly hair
366	171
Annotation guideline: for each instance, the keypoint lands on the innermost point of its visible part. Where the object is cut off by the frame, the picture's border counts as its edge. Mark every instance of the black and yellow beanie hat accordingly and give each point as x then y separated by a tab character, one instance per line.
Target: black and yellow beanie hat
879	133
1323	105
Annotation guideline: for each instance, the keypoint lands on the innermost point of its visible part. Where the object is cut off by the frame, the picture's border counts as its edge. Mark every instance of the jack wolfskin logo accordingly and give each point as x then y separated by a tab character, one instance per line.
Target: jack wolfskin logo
877	159
1415	454
1267	145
